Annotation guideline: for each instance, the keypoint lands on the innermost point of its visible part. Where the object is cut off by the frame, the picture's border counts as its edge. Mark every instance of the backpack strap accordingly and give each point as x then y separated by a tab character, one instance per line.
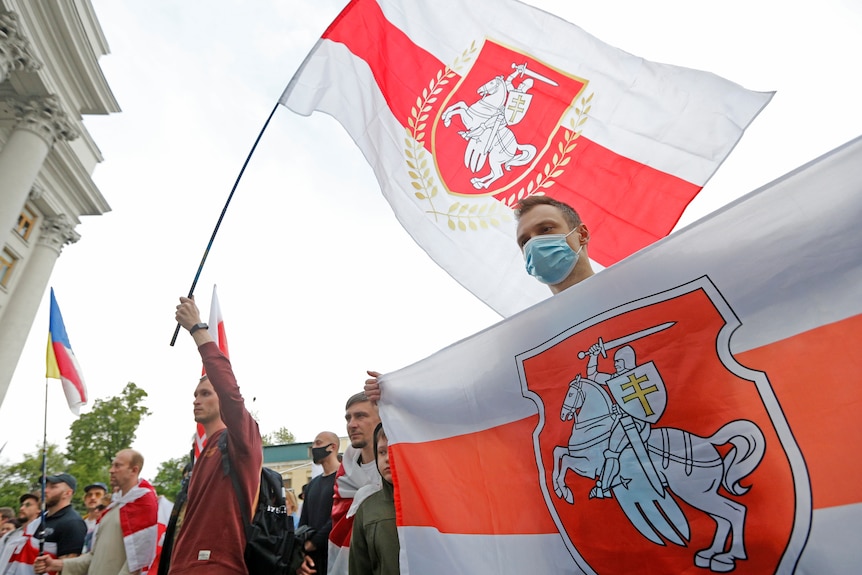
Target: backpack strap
227	469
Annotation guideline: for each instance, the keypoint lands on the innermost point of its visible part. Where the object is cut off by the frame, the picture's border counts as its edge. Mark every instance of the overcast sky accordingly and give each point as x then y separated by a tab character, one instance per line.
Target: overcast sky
317	280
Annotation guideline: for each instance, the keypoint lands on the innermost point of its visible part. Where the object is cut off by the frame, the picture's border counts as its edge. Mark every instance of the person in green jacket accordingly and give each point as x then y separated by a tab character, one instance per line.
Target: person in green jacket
374	546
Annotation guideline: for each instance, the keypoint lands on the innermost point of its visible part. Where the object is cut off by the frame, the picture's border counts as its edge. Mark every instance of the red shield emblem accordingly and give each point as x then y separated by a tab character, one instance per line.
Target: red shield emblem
657	450
500	122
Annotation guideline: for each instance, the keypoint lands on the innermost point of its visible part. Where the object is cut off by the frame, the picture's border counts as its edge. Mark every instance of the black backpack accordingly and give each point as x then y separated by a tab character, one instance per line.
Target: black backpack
269	535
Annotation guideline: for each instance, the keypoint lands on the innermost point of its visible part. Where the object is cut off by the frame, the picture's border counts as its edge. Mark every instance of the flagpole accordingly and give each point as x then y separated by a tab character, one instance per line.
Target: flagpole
221	217
43	526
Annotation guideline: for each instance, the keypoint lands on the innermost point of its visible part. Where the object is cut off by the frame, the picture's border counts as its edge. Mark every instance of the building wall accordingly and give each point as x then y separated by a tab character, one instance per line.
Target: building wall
293	461
49	79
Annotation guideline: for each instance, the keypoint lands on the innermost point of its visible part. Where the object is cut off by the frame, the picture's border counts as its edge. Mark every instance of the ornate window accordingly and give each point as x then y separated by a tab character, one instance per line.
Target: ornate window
26	222
7	265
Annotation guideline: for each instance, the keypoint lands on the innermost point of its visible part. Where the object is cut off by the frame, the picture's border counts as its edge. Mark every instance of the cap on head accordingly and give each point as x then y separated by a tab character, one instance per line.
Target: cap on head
27	496
63	478
97	485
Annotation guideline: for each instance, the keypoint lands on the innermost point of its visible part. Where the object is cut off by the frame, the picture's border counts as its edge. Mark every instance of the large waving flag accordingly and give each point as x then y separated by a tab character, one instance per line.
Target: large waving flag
694	409
61	361
217	331
464	108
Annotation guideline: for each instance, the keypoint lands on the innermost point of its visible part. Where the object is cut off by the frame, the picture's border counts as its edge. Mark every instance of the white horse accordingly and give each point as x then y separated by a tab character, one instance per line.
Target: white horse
689	466
488	135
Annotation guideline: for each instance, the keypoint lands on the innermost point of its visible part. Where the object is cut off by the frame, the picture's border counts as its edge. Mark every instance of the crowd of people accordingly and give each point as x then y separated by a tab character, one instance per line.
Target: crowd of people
347	521
118	535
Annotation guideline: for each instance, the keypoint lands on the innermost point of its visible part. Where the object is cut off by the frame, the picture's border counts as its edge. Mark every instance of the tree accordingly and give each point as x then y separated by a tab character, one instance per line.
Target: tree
169	477
280	437
19	478
97	436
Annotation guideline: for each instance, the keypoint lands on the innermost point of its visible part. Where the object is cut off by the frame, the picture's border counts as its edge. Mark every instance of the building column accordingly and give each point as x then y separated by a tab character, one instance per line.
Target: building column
14	49
41	122
22	306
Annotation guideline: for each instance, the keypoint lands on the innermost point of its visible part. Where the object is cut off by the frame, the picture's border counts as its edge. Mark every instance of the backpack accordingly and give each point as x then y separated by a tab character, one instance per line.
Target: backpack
269	535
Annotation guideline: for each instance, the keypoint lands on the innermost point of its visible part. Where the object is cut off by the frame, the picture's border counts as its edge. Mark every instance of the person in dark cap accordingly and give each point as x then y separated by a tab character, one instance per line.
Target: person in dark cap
63	531
94	494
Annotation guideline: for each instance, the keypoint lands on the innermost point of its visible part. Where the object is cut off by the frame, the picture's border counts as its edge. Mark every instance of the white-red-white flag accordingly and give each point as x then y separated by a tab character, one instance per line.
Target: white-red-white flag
710	381
464	108
217	331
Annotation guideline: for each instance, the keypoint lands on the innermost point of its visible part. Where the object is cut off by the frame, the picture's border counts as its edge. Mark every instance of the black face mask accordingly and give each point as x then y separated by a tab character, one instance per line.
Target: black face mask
318	454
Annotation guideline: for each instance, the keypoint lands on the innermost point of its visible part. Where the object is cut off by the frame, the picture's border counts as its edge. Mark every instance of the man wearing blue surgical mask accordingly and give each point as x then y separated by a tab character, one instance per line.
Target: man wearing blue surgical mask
554	242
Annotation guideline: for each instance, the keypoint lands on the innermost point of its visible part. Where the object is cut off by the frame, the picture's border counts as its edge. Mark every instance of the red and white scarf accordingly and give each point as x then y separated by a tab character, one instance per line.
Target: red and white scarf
139	522
353	483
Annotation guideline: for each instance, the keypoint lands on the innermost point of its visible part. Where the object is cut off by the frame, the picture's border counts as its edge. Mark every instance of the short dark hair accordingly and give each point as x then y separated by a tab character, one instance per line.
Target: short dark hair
571	216
356	398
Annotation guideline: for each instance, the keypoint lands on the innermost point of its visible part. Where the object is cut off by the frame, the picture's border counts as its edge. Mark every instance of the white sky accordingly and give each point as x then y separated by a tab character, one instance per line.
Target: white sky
317	280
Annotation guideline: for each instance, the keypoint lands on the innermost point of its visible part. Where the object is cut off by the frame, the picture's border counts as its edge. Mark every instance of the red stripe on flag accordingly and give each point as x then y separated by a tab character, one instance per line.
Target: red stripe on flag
815	377
68	370
502	506
647	203
401	68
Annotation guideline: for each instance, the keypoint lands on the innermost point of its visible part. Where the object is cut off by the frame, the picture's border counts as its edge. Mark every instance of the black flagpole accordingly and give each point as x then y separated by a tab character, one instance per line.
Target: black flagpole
43	531
221	217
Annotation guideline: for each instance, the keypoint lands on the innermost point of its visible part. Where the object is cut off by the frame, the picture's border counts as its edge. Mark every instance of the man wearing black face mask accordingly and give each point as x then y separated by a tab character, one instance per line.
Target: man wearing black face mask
317	506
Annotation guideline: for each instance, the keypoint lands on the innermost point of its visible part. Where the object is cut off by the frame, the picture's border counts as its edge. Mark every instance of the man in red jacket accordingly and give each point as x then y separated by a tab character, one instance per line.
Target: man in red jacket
211	540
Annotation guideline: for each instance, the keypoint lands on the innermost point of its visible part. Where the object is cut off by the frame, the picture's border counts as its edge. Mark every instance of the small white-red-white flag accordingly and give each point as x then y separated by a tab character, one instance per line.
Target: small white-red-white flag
216	329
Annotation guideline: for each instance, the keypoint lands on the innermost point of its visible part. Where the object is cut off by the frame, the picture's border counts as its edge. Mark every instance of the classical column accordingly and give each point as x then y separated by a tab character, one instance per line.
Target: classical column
27	295
41	122
15	51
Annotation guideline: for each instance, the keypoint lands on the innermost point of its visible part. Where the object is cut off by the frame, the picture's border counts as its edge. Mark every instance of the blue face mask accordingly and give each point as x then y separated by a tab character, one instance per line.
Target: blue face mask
549	258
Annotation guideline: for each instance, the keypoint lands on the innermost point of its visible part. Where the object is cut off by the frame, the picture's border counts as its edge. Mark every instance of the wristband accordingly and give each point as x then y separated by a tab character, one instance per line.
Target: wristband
198	326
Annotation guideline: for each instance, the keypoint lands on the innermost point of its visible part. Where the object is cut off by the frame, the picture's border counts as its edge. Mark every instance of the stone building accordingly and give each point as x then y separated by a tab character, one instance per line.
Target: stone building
49	79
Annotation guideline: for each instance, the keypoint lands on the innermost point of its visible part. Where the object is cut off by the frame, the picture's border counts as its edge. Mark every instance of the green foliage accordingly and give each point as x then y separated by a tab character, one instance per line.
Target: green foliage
95	437
19	478
280	437
169	477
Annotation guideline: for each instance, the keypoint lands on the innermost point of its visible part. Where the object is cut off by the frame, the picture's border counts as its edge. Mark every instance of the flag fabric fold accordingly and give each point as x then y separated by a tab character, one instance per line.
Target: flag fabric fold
718	361
463	109
166	506
139	509
61	361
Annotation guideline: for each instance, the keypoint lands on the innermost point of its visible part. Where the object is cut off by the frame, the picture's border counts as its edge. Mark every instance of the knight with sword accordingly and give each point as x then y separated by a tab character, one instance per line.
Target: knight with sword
640	398
514	107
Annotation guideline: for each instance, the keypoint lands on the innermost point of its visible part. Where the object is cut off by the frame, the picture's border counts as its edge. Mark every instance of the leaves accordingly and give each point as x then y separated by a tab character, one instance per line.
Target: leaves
281	436
95	437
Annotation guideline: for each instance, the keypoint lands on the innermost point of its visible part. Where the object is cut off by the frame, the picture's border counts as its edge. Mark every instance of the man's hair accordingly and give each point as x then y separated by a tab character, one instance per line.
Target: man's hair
356	398
136	459
7	513
571	216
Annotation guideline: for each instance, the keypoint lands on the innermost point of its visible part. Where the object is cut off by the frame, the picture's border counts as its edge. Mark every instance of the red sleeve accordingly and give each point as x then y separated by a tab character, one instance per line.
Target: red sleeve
244	444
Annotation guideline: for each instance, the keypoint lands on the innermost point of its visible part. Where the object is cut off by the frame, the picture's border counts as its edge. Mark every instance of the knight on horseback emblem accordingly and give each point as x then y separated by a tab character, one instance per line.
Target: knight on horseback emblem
657	449
486	124
614	442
